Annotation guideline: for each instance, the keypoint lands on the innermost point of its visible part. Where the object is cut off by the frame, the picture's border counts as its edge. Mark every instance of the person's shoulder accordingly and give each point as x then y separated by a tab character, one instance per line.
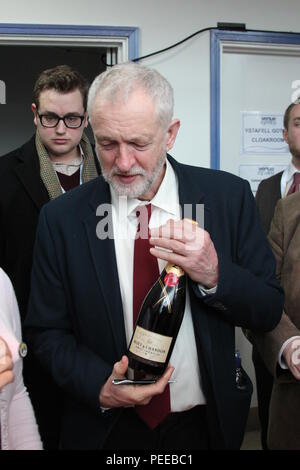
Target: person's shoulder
286	216
10	159
209	177
72	202
271	181
290	204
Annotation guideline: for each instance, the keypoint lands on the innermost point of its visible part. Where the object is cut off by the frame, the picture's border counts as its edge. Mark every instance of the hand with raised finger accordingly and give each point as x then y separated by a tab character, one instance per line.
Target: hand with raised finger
6	364
190	247
291	354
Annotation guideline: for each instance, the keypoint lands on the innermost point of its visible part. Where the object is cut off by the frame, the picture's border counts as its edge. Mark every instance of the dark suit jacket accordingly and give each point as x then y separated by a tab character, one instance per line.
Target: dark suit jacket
267	195
75	318
22	195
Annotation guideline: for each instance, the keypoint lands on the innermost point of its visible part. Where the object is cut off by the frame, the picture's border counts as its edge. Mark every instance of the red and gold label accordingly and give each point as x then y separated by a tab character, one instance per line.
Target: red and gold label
171	279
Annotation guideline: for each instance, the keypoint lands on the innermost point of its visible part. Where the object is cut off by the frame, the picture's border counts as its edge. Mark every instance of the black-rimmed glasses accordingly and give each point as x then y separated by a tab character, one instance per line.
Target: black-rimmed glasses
52	120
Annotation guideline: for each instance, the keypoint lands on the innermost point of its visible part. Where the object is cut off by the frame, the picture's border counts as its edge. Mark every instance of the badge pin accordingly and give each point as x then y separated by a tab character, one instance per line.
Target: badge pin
23	349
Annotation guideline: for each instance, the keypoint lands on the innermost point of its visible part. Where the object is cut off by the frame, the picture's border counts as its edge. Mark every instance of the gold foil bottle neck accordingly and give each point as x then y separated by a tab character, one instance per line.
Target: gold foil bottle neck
174	268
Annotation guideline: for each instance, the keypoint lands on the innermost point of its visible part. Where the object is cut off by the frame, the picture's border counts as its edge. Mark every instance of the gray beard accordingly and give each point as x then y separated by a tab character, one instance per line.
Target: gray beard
135	190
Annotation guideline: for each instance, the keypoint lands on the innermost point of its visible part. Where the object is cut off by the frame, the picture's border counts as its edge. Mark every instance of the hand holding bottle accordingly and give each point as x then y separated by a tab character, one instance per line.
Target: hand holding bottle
6	364
113	396
190	247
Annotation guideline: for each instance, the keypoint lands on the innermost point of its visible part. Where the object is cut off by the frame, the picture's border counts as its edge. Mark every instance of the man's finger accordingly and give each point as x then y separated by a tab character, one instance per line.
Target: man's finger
295	354
4	349
6	363
179	230
6	378
120	368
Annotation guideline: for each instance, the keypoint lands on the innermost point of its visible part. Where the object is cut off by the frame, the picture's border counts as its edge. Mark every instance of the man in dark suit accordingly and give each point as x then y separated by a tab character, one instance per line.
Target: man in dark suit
57	158
268	193
80	311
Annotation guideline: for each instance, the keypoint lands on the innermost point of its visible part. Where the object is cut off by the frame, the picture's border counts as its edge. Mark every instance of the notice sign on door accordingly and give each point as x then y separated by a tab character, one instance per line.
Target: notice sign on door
262	133
256	173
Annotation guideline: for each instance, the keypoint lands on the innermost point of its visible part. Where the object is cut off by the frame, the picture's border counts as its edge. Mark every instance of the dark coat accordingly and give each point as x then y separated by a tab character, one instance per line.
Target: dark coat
75	317
22	195
267	195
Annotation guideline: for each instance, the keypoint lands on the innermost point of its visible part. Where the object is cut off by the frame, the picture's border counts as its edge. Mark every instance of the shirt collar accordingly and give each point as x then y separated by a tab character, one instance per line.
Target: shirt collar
291	170
165	199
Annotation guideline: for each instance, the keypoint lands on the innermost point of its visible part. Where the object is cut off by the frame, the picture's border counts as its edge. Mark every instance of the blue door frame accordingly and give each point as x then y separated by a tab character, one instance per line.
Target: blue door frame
216	38
34	30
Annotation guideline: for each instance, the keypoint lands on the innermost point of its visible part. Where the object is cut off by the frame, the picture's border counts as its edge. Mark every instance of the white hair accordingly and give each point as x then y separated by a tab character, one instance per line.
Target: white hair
121	80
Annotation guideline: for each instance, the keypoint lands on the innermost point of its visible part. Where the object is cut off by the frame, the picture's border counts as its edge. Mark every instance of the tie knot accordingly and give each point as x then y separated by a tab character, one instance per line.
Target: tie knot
295	184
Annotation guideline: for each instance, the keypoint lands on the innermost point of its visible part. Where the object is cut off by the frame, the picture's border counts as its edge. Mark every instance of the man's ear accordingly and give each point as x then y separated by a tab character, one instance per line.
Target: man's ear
34	110
172	133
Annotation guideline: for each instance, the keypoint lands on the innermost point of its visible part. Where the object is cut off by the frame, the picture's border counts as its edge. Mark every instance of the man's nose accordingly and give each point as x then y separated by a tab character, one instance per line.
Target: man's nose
125	158
61	127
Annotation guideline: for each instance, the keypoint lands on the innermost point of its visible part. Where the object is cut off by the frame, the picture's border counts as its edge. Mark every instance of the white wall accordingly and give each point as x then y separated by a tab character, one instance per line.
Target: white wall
161	23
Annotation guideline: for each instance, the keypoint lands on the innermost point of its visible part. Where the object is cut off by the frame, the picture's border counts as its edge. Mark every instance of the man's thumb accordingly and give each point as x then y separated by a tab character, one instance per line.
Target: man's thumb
121	366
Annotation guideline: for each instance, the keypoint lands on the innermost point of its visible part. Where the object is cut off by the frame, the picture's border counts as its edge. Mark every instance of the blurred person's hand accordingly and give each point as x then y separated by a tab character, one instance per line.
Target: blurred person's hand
291	355
6	364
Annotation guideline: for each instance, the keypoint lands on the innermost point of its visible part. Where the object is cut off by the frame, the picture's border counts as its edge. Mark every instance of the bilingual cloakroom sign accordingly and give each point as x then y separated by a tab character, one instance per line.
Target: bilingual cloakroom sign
261	133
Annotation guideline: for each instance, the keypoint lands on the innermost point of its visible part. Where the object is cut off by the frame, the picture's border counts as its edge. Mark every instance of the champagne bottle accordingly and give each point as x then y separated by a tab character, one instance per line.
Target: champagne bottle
157	325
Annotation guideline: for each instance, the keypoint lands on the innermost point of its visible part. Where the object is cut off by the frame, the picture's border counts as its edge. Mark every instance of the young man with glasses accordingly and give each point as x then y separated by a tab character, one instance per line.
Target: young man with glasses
57	158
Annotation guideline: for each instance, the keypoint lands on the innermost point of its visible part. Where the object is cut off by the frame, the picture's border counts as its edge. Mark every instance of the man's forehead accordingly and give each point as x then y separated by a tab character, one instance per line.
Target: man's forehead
295	113
52	98
136	97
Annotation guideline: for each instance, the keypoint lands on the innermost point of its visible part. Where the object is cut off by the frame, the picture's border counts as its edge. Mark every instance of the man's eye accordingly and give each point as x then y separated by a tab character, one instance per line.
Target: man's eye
50	118
107	145
138	145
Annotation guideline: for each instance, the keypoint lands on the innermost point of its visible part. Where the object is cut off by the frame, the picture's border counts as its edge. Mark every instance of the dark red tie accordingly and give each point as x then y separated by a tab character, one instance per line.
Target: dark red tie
295	184
145	274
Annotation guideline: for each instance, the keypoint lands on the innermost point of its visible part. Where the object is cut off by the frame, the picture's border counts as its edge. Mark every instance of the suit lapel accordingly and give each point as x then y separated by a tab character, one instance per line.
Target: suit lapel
28	173
191	195
103	257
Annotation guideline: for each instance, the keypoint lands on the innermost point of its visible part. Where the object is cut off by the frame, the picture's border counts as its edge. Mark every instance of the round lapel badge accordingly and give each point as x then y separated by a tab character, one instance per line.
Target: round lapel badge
23	349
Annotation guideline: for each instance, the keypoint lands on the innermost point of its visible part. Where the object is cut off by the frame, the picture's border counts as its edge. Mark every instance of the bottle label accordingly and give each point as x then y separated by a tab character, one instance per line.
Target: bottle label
149	345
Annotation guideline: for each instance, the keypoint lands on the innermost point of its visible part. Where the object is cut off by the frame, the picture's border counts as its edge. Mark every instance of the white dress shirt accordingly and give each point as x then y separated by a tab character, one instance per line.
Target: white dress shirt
287	179
186	392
